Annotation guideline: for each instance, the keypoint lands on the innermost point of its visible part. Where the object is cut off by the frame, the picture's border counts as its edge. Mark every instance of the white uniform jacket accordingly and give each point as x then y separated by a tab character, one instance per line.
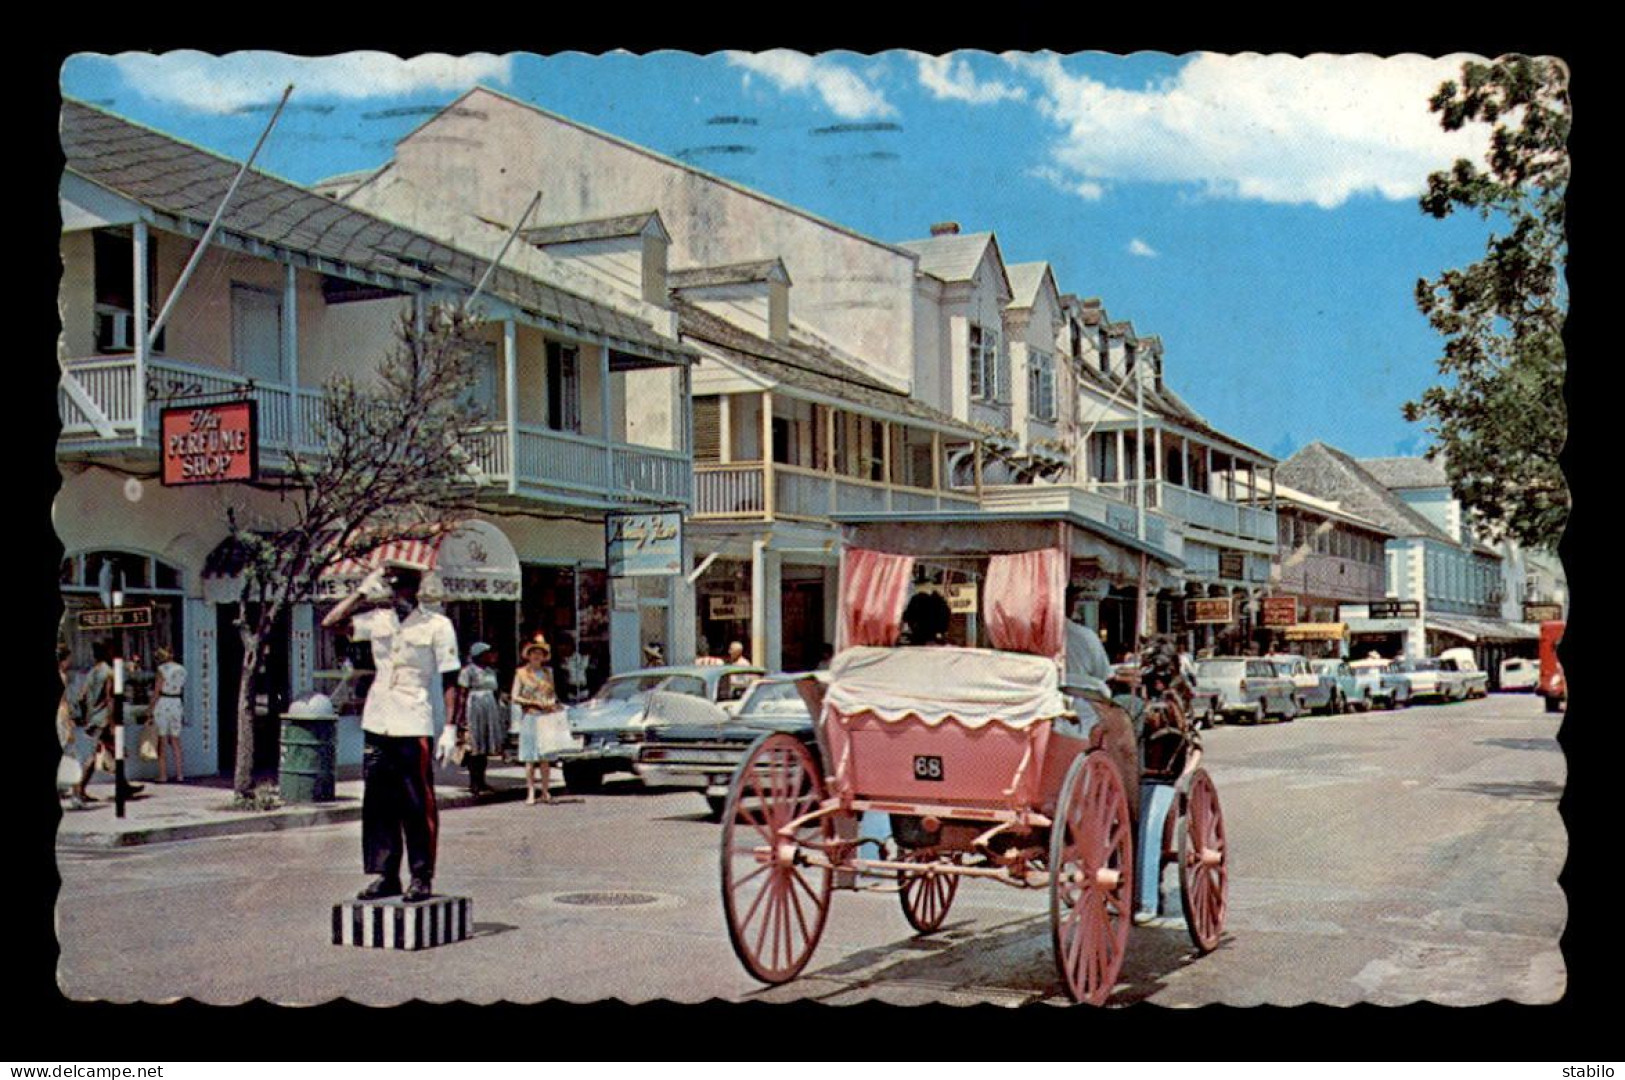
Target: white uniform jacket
410	656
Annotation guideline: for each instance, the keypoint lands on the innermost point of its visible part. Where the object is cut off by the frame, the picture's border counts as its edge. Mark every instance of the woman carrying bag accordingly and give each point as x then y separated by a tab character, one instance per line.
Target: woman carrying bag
483	722
543	728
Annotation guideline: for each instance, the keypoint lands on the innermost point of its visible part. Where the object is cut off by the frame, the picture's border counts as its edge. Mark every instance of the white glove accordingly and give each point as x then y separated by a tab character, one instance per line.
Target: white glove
374	587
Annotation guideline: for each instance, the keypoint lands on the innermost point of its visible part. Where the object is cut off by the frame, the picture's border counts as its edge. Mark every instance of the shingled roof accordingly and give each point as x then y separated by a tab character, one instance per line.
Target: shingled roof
1402	473
953	256
698	277
1026	279
805	367
570	232
1331	474
180	180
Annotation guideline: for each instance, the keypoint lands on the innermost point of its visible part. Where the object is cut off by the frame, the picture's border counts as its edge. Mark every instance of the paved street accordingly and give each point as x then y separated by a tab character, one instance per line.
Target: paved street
1388	857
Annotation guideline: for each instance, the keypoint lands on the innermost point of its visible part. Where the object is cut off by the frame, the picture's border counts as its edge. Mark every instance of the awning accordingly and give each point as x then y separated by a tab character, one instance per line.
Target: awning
1328	631
476	561
1469	628
473	562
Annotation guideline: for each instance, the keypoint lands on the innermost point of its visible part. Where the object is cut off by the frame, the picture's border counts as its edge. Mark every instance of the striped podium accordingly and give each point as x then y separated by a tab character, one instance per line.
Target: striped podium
395	924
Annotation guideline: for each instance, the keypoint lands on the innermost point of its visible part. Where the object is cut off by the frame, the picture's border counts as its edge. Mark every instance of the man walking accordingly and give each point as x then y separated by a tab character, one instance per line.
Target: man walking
415	654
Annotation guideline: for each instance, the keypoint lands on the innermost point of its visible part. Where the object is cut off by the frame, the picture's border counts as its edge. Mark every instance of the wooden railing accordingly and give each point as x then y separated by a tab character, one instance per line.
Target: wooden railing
1198	509
737	490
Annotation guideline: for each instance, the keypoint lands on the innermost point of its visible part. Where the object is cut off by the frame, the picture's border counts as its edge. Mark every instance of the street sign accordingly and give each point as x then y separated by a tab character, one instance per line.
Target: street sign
122	618
1209	610
1395	609
728	608
210	444
1542	612
1279	611
1232	565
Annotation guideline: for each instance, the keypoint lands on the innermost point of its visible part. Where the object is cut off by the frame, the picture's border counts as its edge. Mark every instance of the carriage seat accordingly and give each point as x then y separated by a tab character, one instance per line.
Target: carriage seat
937	682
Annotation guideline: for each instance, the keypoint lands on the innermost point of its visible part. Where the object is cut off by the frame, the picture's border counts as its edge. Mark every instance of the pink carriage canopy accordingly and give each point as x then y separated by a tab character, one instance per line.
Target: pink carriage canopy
936	683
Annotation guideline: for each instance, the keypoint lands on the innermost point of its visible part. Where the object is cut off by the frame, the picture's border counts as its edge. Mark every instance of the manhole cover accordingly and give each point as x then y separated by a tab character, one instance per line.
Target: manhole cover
606	899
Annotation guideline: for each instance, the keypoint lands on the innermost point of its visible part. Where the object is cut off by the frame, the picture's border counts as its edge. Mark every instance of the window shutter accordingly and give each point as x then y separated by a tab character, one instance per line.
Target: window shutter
708	428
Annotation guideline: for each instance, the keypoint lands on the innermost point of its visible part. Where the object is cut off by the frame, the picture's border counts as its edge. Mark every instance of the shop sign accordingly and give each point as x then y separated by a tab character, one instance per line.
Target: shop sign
119	618
1214	609
961	598
1542	612
1278	611
1232	565
729	607
1395	609
644	545
1335	631
210	444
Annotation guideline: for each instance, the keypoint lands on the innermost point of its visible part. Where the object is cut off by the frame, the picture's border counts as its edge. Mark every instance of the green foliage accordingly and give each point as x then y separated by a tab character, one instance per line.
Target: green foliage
1498	417
391	466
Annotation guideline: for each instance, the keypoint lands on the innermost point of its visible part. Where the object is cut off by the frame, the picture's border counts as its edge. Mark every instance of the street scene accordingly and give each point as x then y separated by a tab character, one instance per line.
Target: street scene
1325	905
813	528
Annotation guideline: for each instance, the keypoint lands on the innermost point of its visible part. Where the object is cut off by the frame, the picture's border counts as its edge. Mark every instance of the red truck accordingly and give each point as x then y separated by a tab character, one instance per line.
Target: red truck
1552	687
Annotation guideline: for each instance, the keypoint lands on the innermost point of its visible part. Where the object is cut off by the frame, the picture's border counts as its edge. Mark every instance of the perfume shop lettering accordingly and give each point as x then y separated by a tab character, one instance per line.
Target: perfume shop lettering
209	445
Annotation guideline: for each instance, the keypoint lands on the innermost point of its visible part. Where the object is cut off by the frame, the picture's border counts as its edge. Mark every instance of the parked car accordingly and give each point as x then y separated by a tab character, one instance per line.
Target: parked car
1247	688
703	757
613	723
1553	687
1350	693
1519	674
1381	686
1474	681
1429	681
1314	689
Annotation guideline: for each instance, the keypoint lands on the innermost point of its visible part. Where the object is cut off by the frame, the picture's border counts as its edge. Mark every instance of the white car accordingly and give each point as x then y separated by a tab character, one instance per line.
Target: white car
1519	674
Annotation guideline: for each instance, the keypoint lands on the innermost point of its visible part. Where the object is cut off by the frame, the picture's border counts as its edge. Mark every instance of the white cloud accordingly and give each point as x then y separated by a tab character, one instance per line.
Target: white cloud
1139	247
950	79
1282	129
1084	189
223	84
846	92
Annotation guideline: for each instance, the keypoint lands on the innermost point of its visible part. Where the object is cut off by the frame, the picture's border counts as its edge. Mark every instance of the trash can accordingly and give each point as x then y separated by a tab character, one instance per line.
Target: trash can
309	750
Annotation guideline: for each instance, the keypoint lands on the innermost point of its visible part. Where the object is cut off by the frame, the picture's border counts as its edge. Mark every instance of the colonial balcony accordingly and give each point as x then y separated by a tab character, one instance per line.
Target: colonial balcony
1227	520
97	405
740	491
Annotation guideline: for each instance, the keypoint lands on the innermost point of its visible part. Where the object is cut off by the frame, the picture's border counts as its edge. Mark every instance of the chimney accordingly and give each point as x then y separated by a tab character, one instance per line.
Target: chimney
945	228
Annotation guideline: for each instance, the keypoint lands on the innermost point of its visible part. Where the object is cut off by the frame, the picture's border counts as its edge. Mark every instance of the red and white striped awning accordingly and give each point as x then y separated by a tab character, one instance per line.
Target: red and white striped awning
476	561
420	555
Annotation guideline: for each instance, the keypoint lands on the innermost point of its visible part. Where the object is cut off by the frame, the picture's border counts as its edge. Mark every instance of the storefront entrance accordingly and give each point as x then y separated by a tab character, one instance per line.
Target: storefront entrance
271	692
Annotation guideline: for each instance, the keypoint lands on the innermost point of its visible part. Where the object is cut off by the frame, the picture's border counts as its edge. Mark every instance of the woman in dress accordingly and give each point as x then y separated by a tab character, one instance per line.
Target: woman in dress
482	720
167	712
543	729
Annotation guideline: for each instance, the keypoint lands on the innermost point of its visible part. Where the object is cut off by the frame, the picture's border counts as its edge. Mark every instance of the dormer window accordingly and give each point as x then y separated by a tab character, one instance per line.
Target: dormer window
984	364
1041	386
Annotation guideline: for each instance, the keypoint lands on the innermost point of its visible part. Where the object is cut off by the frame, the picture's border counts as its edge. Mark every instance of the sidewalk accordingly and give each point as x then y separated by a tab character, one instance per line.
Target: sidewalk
201	808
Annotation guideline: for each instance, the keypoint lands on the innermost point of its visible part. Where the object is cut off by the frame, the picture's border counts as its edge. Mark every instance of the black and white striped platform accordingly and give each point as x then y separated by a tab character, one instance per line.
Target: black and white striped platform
395	924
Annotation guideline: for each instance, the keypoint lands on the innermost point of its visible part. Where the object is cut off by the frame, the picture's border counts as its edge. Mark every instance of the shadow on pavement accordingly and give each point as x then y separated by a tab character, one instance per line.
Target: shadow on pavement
1528	790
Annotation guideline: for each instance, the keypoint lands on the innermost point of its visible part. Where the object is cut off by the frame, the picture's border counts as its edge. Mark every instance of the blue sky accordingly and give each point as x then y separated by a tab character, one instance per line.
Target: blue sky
1257	212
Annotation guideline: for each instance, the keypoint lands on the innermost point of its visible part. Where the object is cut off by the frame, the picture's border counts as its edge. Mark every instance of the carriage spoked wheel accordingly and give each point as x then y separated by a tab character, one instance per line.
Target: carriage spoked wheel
1091	878
775	905
926	896
1204	872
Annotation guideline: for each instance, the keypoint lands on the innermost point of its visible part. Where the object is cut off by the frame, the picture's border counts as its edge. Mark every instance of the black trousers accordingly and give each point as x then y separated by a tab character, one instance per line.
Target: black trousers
398	800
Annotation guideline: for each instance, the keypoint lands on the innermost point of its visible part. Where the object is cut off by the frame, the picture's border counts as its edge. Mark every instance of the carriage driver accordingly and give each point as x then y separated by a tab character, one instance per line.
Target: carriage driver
415	653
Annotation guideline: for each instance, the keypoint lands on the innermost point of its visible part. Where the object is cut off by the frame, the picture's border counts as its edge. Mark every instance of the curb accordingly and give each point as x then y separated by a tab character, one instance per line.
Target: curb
246	823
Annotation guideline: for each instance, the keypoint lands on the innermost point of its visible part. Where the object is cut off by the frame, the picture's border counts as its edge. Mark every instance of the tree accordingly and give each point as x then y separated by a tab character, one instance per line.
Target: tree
1499	419
390	467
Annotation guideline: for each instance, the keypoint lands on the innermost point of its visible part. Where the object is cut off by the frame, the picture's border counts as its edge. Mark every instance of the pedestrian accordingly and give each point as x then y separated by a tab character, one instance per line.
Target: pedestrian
654	655
66	734
414	652
478	715
703	655
736	654
544	729
96	695
925	620
168	712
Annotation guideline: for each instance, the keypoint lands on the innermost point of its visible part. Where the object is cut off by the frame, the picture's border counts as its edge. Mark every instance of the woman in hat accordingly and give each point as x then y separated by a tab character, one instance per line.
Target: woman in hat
483	722
543	729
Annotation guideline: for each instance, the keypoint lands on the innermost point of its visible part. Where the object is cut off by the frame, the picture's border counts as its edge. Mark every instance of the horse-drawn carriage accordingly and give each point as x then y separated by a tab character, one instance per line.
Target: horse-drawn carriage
1012	763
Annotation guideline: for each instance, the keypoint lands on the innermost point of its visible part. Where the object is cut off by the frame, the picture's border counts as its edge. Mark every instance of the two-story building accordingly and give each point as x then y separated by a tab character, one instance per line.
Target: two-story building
1451	588
586	406
1326	557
